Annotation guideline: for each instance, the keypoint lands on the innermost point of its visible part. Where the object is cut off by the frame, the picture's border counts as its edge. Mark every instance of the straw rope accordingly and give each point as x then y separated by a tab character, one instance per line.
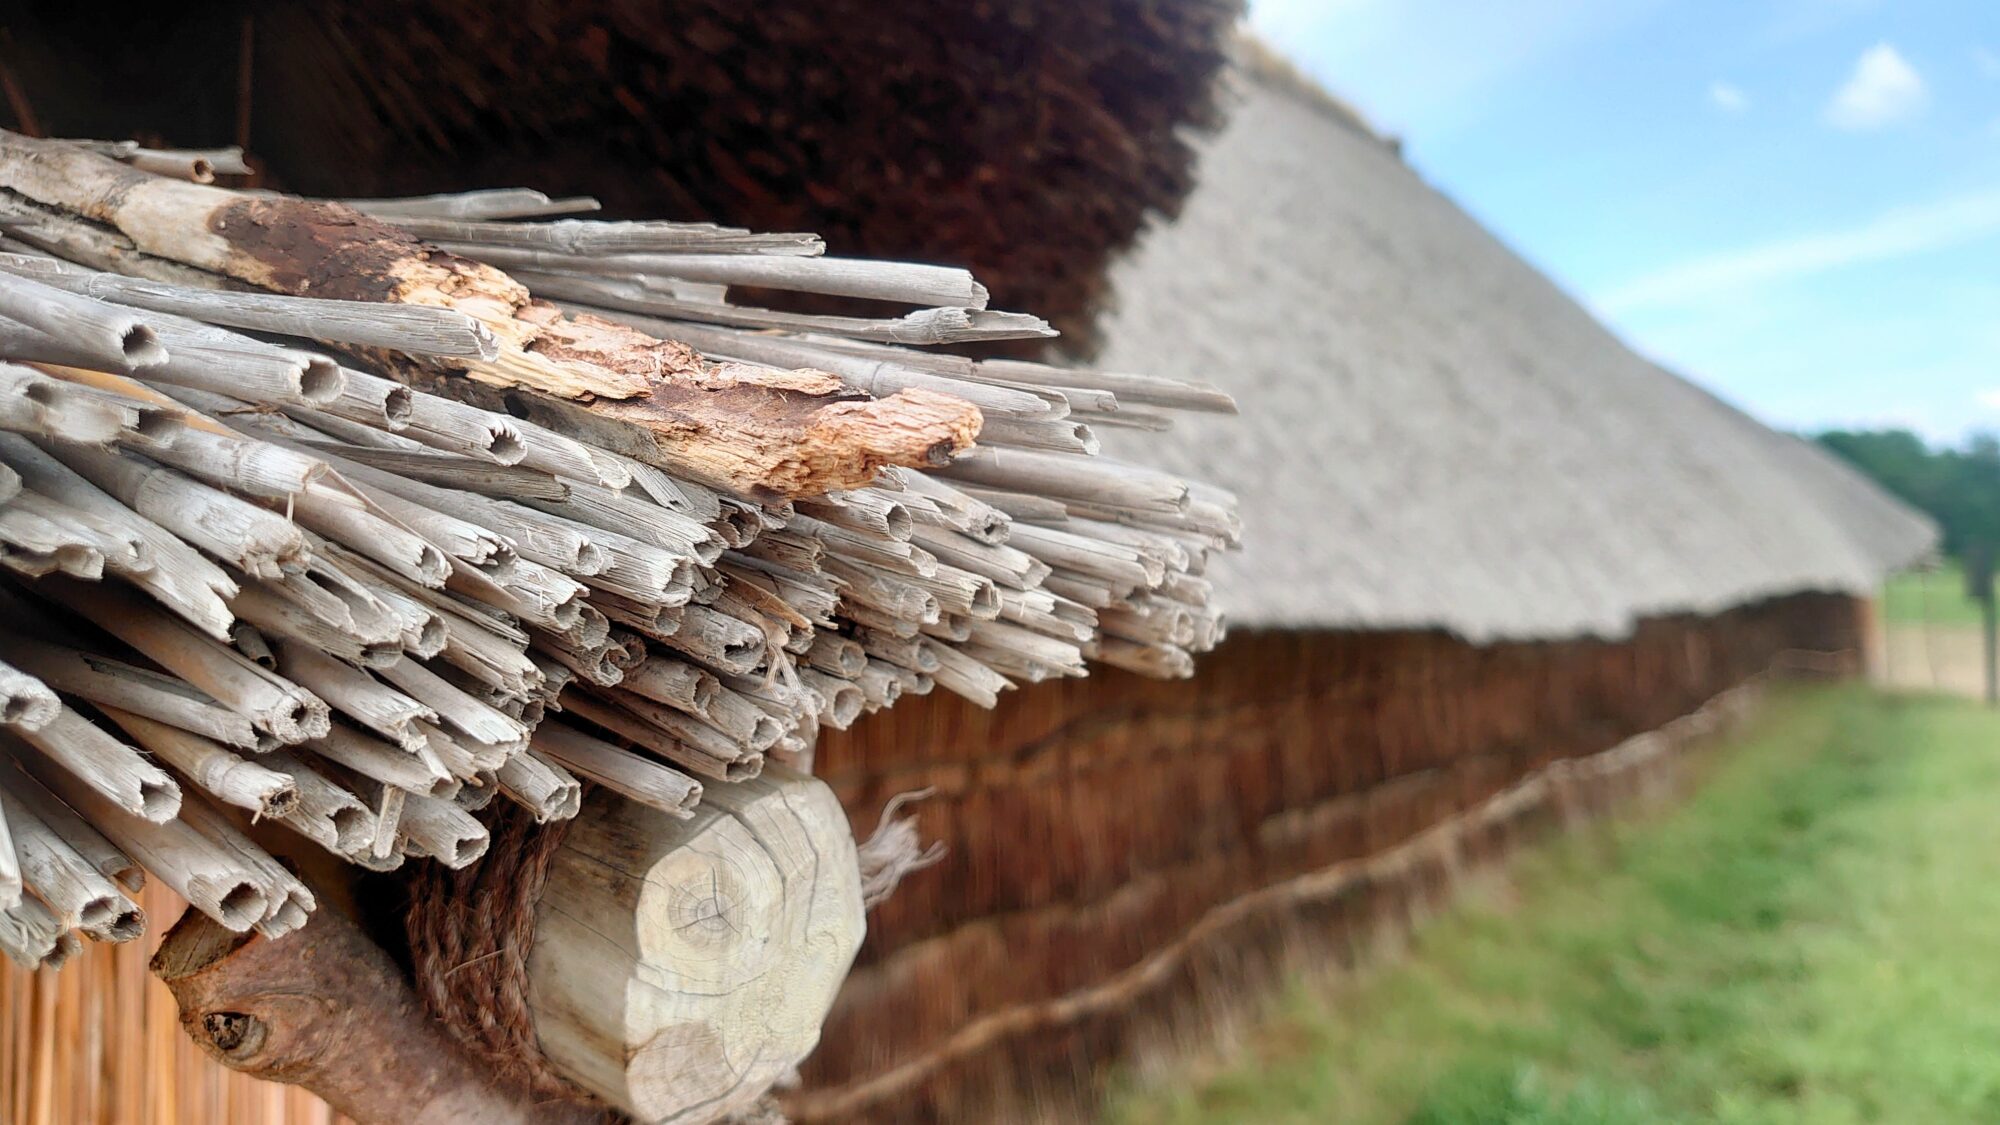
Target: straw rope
470	934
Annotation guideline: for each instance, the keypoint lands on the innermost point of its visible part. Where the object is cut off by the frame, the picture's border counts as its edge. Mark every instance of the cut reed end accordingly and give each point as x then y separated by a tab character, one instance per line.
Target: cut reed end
397	408
237	905
590	560
321	381
353	828
278	803
122	923
506	446
430	639
159	801
29	710
846	706
462	849
141	346
156	425
67	946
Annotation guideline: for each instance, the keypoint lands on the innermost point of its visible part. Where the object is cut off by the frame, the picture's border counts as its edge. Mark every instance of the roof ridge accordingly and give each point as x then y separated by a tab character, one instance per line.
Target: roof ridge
1258	59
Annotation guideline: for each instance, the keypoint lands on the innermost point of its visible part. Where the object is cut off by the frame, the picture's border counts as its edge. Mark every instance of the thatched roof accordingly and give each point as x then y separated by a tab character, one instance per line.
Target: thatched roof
1024	139
1434	434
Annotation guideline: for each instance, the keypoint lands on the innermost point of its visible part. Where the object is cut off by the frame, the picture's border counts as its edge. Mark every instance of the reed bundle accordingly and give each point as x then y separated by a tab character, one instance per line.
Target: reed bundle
339	520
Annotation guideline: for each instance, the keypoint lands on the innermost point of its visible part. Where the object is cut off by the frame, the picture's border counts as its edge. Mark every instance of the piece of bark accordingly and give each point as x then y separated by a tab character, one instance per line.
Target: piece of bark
327	1010
756	431
414	328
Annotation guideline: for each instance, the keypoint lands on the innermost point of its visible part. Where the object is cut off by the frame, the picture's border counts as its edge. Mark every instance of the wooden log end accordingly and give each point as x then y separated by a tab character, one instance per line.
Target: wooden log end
681	967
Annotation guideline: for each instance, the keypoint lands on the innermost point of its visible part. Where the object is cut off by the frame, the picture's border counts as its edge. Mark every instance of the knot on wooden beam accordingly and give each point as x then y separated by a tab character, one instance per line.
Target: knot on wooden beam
234	1033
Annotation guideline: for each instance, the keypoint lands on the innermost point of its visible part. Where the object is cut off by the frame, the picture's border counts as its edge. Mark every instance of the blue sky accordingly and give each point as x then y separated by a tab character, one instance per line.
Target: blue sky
1795	202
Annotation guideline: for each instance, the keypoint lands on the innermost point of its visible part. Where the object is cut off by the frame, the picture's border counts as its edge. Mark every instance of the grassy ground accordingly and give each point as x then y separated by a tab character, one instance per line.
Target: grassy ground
1930	598
1814	938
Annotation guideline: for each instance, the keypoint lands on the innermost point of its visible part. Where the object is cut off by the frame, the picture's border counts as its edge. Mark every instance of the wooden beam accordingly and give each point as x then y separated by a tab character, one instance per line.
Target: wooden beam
326	1009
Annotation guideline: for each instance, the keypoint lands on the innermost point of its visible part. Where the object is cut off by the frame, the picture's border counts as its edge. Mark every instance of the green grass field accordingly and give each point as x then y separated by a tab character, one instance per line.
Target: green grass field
1934	597
1815	937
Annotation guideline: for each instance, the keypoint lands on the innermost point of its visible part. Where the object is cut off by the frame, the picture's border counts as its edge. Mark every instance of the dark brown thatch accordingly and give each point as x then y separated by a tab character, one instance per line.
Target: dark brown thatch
1027	139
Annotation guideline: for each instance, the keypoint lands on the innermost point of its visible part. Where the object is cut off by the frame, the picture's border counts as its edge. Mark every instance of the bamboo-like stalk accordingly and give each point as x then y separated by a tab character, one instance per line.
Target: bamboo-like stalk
25	703
38	406
78	894
33	546
672	682
668	297
325	813
122	552
250	538
355	693
273	705
109	767
541	786
32	936
446	701
180	578
379	761
1144	390
215	882
840	700
730	764
1067	476
101	854
442	831
288	902
415	329
901	282
107	682
105	332
485	204
595	237
650	783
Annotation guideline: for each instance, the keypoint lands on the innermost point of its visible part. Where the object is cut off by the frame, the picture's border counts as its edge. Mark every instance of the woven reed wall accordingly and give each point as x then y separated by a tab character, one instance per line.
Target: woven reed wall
1094	824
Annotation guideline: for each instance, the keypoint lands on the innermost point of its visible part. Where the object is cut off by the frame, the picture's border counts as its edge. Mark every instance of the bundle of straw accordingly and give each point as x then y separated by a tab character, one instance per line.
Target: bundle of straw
313	517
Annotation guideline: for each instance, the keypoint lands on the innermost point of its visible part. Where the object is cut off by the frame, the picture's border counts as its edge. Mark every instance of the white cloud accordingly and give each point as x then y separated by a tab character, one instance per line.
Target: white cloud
1894	234
1883	90
1728	97
1989	399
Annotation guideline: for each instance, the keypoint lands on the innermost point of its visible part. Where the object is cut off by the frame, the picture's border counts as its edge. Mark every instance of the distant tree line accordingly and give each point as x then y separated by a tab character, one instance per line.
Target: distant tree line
1958	487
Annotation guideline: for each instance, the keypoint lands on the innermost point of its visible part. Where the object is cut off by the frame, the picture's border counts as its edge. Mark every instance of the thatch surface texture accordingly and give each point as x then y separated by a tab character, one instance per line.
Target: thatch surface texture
1434	434
942	134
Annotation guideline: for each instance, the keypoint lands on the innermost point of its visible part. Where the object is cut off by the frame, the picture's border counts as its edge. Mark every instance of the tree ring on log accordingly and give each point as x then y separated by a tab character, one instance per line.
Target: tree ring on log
681	967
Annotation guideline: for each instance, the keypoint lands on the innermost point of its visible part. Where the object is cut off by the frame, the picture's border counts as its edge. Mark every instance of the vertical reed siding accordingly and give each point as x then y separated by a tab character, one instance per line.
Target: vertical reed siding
1092	824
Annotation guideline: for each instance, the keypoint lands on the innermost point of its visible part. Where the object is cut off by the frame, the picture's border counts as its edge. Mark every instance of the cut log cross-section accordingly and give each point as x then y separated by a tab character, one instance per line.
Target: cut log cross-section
682	967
